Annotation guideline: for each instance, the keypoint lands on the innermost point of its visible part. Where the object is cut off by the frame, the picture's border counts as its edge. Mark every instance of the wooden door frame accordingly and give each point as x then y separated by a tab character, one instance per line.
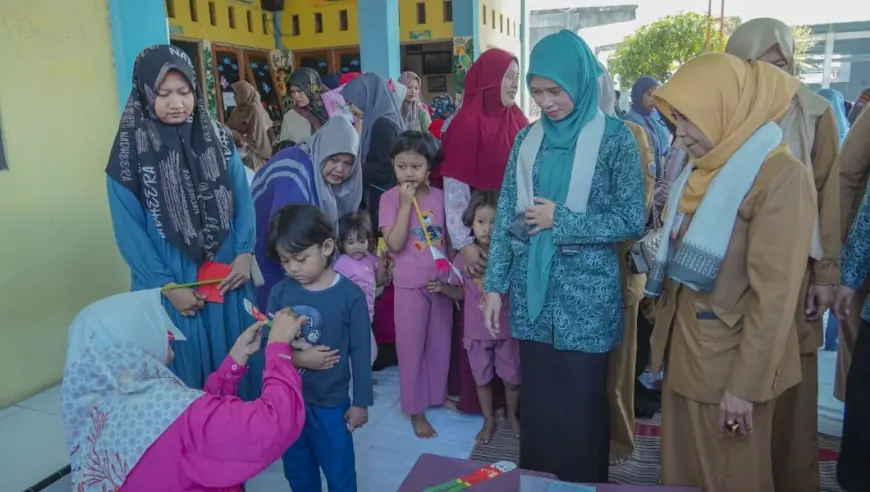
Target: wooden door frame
200	59
273	73
336	57
215	48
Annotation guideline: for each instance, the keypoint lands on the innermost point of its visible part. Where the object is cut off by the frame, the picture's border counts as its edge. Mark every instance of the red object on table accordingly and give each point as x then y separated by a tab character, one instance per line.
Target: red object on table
432	470
210	271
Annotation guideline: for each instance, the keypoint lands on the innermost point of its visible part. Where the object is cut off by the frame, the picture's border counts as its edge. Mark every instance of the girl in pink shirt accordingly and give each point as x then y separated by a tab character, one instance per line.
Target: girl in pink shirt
424	320
358	262
133	426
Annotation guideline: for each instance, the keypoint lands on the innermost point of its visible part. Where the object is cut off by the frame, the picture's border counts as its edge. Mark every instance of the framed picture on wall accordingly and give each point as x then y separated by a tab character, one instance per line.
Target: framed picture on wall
438	63
436	83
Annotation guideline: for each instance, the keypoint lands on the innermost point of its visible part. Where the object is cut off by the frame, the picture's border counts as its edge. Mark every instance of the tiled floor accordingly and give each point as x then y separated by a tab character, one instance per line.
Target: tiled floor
32	438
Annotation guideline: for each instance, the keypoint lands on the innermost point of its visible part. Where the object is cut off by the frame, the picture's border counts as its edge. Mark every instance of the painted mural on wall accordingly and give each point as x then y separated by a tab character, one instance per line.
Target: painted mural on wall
210	92
282	63
463	57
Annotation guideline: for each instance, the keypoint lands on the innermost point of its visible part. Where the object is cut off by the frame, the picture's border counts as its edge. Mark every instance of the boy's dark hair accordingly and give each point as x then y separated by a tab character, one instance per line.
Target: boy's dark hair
422	143
478	199
298	227
356	224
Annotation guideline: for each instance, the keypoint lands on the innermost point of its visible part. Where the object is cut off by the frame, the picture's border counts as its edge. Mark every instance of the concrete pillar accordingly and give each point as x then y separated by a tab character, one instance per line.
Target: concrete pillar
466	42
135	26
525	50
379	37
829	57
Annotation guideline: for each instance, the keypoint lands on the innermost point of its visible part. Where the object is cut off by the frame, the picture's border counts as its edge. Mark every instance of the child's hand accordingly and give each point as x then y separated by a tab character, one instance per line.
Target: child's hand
300	344
356	417
406	194
434	286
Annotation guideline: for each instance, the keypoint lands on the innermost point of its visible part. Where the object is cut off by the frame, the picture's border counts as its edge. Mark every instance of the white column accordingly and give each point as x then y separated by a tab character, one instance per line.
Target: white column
829	57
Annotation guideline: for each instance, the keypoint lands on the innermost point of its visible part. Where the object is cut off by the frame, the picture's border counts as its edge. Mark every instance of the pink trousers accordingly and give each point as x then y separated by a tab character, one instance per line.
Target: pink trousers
424	324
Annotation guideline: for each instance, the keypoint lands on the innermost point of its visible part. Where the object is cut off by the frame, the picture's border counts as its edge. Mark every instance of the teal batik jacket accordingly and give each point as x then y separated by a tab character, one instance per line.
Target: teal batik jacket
583	307
855	264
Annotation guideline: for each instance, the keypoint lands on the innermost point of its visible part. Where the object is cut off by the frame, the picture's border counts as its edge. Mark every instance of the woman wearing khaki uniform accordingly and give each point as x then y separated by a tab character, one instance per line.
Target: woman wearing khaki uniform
810	129
854	165
728	266
621	364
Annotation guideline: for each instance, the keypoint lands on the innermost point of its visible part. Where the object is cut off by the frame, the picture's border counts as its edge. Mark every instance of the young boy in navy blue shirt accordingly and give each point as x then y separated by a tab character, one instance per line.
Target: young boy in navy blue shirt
301	237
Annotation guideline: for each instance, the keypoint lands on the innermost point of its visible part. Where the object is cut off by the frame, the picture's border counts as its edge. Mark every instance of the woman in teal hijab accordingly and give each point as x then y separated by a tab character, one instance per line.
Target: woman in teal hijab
838	104
573	189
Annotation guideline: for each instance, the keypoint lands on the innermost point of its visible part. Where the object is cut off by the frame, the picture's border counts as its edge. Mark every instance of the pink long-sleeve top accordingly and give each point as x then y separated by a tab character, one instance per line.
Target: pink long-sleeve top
220	441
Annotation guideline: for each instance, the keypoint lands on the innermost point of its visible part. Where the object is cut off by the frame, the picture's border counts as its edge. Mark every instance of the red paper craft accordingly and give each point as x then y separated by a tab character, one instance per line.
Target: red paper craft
211	271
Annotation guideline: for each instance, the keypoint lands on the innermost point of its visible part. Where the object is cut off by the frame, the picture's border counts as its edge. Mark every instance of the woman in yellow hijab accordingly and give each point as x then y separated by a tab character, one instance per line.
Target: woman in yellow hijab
810	129
727	266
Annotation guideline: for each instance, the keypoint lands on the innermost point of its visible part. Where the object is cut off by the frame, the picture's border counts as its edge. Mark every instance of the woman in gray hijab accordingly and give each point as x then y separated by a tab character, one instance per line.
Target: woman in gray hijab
322	170
372	100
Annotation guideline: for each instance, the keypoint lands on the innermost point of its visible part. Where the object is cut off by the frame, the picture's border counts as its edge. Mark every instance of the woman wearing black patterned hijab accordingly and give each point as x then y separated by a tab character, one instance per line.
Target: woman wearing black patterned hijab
178	197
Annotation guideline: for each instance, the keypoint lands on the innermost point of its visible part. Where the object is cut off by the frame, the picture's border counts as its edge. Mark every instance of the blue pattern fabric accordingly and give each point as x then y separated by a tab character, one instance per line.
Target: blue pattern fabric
838	104
154	262
583	307
658	132
855	264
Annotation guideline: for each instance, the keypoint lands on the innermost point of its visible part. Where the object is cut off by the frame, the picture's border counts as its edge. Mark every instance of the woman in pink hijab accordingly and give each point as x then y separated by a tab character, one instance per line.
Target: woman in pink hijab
133	426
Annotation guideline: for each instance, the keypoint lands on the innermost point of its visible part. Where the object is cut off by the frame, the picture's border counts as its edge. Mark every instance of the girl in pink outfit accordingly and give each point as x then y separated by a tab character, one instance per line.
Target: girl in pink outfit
424	320
357	261
133	426
488	353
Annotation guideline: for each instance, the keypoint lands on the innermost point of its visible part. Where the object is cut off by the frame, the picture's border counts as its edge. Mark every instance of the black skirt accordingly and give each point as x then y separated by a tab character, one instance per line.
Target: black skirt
564	415
853	467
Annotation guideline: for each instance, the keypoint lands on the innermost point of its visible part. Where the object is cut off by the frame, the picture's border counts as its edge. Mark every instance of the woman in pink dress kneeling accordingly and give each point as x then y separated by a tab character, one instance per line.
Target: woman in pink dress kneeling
133	426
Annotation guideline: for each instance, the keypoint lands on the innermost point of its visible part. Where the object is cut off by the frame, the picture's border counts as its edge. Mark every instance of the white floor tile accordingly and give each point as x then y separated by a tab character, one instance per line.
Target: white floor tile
62	485
33	445
46	402
9	412
830	408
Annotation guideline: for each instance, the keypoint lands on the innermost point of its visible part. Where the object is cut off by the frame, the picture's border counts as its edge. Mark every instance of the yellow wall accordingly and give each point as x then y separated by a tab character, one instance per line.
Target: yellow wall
182	24
331	36
58	105
500	25
434	29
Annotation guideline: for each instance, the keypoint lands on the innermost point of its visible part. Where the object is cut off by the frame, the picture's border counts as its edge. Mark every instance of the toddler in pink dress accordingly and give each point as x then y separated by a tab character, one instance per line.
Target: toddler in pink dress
357	261
488	353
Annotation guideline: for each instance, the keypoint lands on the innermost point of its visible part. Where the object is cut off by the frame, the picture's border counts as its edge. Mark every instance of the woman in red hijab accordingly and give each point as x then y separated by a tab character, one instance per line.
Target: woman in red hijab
477	144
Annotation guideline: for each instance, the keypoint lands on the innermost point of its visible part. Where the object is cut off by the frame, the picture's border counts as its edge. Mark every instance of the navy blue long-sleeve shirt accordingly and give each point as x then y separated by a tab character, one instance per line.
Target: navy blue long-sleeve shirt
338	317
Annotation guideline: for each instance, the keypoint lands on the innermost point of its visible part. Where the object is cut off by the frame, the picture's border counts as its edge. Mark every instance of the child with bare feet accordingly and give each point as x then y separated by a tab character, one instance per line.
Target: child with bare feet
411	217
488	353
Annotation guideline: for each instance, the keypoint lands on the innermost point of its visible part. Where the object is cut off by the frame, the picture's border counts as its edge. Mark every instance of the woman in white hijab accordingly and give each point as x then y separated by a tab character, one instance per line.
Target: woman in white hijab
810	130
133	425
